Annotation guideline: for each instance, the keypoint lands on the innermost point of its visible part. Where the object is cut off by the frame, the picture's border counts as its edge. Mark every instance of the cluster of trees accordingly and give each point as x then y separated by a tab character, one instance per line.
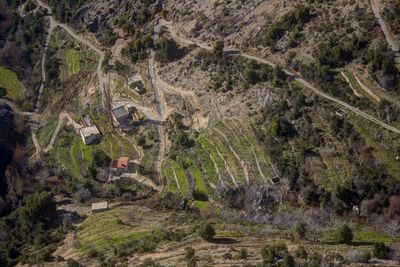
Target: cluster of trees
256	73
382	64
67	10
33	224
295	19
136	14
168	50
292	138
392	15
137	49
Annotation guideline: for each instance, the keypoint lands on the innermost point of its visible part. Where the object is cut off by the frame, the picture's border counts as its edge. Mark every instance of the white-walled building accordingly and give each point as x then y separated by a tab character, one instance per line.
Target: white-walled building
90	134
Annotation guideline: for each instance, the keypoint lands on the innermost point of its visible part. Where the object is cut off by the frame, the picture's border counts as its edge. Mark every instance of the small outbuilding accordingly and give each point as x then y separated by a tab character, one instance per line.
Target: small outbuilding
90	134
99	207
123	115
138	87
341	113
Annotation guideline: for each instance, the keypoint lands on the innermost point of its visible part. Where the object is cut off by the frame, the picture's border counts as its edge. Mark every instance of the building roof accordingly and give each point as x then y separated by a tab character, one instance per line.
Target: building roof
120	112
122	162
91	130
100	206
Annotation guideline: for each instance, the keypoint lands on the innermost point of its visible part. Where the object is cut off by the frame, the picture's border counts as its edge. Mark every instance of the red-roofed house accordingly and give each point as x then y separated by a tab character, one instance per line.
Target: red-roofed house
123	165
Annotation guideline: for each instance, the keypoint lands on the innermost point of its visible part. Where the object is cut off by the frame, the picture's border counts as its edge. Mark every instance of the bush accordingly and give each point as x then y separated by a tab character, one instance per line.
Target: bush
207	232
288	261
243	254
344	235
73	263
190	257
381	251
101	159
272	253
301	253
301	230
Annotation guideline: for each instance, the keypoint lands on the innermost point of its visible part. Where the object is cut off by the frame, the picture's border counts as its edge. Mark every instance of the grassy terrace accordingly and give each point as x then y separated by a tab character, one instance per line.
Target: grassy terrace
125	91
207	165
46	132
104	230
71	153
10	82
73	61
386	156
204	164
210	149
336	169
248	137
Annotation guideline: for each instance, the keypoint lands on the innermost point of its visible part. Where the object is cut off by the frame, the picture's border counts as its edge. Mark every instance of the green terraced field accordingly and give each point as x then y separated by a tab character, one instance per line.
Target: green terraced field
102	231
220	152
10	82
73	61
76	157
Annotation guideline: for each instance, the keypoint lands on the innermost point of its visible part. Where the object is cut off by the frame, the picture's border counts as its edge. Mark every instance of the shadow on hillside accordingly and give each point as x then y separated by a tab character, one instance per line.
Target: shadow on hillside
224	241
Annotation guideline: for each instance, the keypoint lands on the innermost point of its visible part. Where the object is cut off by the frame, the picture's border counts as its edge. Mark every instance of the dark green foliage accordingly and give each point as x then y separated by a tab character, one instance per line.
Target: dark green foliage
207	232
136	50
294	19
72	263
381	251
168	50
38	207
190	257
282	128
271	253
344	235
3	92
336	124
101	159
243	254
288	261
301	230
148	243
301	253
218	49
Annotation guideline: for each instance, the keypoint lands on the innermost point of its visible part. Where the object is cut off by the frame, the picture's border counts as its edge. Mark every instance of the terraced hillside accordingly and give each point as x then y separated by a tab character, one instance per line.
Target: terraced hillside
226	155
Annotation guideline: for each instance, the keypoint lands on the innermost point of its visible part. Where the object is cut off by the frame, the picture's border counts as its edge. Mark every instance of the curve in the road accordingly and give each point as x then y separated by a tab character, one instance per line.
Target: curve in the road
291	74
84	41
389	38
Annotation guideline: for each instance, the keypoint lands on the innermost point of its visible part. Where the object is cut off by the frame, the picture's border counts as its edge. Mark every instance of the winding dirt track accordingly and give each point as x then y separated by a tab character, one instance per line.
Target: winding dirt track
84	41
394	45
61	118
300	80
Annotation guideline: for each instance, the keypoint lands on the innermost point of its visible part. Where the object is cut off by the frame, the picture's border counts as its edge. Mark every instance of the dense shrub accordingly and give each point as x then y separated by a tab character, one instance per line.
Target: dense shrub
344	235
207	231
381	251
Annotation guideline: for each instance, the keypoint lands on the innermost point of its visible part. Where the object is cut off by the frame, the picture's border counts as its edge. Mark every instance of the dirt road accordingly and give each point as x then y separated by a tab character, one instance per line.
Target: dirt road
61	118
394	45
86	42
291	74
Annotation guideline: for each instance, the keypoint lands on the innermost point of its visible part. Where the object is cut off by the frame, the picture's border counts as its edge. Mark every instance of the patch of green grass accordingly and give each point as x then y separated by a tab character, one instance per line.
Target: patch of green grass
73	61
207	163
362	234
182	178
125	91
358	87
200	184
169	175
46	132
386	157
10	82
103	230
250	140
